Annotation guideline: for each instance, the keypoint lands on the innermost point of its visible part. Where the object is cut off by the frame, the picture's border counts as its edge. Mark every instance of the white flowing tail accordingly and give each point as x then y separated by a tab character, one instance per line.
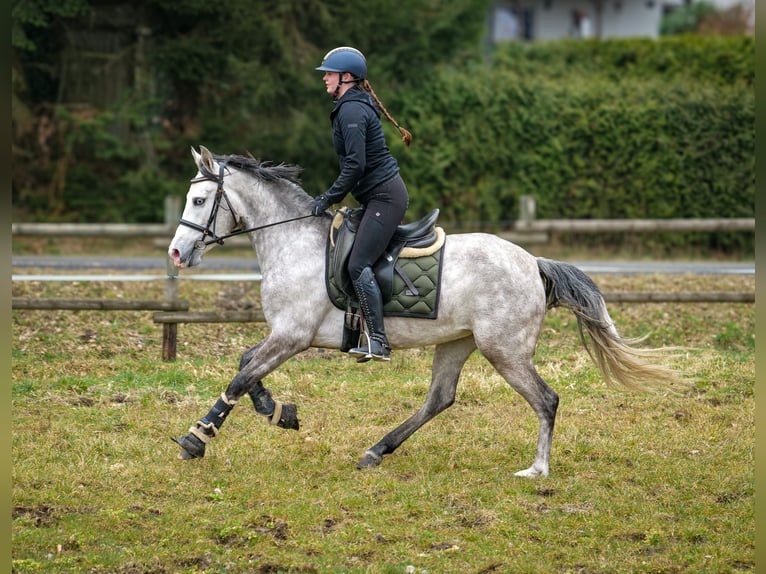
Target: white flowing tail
619	360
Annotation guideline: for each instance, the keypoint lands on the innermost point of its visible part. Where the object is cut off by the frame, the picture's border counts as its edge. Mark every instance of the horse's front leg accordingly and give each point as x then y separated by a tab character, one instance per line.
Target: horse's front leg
255	364
283	415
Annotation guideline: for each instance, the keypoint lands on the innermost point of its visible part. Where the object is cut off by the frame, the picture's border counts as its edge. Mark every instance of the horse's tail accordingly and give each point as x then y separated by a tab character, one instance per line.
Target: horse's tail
619	360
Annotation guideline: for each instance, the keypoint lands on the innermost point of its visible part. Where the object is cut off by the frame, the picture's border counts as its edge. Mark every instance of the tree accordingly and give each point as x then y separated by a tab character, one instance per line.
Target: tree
686	19
237	76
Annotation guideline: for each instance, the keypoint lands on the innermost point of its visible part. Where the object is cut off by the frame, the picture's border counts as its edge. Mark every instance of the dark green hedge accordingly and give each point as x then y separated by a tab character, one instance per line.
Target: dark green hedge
588	135
584	150
720	60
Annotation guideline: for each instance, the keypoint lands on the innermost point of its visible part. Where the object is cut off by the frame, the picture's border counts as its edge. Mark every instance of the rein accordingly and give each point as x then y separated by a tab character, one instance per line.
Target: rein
208	232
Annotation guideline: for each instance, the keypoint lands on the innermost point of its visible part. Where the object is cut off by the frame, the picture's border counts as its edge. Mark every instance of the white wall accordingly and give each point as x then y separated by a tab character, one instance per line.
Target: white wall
553	19
619	18
627	18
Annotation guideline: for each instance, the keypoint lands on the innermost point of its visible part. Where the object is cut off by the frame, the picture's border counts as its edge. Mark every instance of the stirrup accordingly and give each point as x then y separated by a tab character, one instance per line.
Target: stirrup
375	349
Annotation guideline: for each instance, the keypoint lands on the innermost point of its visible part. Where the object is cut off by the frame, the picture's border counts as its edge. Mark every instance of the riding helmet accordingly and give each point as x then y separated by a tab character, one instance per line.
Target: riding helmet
345	59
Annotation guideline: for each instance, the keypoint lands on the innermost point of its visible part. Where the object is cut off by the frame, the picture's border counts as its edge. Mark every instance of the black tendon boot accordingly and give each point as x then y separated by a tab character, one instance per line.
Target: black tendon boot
276	413
205	429
371	302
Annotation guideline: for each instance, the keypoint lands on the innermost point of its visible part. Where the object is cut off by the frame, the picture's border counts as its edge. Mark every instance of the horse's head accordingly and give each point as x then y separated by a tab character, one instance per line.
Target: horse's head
207	215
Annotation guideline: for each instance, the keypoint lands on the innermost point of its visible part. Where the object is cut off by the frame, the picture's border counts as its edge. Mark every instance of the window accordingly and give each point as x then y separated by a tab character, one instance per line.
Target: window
511	22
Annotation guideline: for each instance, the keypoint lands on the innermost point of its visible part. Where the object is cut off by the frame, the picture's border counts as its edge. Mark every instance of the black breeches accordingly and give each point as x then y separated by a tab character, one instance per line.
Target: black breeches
382	214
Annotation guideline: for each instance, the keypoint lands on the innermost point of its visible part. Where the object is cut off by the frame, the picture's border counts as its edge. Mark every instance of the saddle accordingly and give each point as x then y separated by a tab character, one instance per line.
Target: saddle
408	272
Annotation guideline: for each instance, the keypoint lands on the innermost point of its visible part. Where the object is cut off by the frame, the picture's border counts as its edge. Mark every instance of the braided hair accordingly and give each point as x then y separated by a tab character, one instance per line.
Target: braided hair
406	135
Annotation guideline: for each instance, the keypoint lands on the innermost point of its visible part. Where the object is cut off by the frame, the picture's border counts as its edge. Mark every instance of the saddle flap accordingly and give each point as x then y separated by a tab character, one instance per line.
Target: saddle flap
342	235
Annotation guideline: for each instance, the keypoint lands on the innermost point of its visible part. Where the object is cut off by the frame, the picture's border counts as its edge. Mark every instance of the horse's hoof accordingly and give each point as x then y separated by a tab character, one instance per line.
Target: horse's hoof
191	447
289	417
532	472
369	460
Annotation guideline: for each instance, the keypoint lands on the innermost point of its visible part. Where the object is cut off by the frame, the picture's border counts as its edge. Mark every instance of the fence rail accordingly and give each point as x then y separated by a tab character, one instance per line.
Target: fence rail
253	316
521	226
679	297
172	312
93	229
99	304
633	225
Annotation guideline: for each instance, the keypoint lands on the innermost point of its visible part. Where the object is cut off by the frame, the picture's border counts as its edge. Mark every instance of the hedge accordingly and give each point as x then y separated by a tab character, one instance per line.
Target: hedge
558	122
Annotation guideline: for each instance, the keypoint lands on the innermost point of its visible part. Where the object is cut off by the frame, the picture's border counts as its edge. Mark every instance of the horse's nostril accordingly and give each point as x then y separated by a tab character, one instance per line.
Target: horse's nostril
175	256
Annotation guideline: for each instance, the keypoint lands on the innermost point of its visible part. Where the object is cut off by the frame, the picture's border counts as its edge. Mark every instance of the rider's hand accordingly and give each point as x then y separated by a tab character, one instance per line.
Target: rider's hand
321	203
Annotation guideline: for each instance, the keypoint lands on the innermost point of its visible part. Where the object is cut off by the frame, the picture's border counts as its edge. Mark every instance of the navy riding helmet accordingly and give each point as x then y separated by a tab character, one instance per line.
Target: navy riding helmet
345	59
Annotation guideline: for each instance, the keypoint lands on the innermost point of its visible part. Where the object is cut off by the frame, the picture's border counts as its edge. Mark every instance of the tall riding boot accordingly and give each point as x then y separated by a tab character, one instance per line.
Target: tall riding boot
371	303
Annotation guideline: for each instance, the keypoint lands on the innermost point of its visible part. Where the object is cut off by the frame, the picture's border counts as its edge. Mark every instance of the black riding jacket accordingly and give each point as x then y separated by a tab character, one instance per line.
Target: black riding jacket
365	160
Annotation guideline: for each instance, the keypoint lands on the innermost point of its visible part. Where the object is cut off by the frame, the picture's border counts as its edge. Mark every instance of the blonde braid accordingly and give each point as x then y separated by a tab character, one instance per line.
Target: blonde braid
406	135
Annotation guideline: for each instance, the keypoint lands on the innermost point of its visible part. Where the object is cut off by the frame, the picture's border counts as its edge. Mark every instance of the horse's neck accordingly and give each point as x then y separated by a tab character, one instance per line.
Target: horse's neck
260	203
289	242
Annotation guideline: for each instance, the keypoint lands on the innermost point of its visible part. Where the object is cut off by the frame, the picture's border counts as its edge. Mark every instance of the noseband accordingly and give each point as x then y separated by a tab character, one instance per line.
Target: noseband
208	231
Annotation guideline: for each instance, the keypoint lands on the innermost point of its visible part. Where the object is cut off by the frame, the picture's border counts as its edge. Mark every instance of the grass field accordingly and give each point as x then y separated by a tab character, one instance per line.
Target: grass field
639	482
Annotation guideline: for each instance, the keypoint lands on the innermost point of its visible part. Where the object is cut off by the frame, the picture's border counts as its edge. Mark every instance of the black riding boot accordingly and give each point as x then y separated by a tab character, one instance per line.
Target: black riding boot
371	303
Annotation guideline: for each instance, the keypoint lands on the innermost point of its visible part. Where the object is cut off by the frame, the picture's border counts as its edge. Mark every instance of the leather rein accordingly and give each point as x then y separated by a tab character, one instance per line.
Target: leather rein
208	231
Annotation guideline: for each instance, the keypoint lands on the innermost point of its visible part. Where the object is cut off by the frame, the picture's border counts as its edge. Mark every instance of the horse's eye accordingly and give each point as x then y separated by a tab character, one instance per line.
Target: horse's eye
199	201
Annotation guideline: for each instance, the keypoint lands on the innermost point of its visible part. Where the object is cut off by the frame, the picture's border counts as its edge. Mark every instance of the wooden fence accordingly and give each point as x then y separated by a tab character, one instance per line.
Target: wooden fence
528	230
173	318
171	311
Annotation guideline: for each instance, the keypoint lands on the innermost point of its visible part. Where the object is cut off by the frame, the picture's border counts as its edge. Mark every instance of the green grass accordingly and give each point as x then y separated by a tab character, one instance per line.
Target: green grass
639	482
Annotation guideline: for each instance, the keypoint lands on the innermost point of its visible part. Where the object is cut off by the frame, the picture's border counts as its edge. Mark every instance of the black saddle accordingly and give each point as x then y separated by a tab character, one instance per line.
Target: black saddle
420	233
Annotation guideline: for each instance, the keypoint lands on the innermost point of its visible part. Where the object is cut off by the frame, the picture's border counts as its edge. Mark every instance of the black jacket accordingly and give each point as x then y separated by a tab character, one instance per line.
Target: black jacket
365	160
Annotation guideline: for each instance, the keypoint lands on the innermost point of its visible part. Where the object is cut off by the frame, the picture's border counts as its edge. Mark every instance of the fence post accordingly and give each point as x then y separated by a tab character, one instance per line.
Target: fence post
170	330
172	210
527	209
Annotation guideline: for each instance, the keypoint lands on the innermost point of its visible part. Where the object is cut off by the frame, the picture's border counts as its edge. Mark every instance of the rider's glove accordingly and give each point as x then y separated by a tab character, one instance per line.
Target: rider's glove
321	203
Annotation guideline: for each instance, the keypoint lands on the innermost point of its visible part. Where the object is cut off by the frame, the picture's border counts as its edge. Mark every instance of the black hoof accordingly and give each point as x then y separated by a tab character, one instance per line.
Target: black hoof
191	447
369	460
289	417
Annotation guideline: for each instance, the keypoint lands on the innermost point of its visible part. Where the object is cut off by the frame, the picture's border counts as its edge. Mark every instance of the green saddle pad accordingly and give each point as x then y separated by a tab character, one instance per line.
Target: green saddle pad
422	267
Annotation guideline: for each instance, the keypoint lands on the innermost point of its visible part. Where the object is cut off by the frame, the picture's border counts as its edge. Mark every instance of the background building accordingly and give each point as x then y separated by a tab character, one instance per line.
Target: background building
554	19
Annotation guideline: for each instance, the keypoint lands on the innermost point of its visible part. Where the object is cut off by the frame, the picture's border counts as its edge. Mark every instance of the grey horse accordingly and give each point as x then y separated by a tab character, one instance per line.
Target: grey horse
493	298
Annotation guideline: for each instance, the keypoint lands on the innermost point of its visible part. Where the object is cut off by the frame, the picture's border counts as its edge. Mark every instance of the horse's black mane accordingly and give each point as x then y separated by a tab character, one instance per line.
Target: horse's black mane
262	170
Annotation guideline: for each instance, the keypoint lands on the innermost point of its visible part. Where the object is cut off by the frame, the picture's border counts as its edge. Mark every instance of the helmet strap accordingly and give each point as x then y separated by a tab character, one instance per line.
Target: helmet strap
353	80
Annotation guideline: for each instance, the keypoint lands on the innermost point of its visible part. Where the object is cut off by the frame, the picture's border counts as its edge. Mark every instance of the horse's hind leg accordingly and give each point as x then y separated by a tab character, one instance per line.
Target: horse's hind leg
449	359
524	378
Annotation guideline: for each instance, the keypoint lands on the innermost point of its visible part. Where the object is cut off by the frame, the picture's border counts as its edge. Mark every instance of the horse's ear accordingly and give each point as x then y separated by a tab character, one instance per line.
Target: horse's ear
207	159
196	156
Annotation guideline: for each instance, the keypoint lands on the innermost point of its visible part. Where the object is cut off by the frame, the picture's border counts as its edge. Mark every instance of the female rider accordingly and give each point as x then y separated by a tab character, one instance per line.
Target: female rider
371	174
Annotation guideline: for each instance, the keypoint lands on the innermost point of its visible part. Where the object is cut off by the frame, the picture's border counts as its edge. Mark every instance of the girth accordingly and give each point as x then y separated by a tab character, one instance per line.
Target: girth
420	234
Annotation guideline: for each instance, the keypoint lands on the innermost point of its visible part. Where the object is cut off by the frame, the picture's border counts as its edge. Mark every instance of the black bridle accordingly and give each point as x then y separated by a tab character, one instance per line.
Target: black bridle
208	232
